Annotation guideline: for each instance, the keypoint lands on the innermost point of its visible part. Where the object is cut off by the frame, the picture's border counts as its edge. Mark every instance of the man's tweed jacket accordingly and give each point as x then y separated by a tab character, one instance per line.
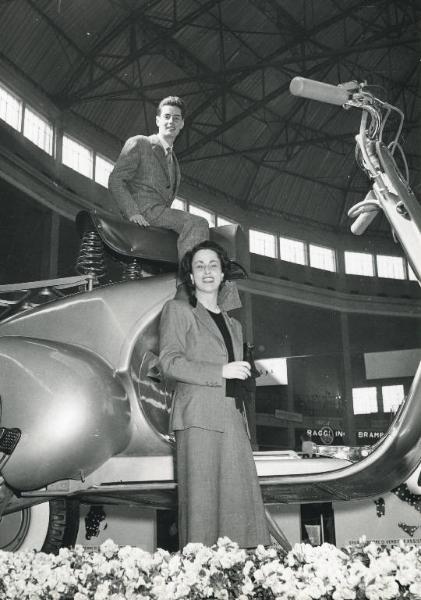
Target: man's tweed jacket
192	352
140	180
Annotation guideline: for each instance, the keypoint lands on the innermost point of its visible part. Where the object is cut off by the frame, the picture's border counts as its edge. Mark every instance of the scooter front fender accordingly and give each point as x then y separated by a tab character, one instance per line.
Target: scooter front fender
72	411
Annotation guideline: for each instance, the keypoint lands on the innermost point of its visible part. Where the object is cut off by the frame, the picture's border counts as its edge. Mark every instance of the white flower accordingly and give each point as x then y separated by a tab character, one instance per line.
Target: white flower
306	573
384	588
221	594
226	542
247	567
344	593
109	548
102	591
78	550
247	586
131	573
182	591
415	588
372	549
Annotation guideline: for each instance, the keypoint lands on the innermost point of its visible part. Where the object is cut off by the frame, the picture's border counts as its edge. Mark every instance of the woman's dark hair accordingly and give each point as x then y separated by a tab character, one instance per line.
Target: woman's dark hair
185	269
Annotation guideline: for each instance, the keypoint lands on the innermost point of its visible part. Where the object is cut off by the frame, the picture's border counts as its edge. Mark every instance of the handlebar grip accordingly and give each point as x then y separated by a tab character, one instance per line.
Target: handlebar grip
315	90
363	221
365	212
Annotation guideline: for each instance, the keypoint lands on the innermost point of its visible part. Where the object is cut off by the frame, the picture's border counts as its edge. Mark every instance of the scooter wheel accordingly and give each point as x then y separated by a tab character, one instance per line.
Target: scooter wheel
46	527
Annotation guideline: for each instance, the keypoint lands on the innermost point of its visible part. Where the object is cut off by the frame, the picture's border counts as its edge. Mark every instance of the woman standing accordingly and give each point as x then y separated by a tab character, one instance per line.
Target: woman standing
201	349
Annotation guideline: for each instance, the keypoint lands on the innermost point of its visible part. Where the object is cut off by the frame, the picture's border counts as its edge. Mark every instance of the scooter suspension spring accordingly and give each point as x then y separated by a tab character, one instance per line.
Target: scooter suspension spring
91	255
133	270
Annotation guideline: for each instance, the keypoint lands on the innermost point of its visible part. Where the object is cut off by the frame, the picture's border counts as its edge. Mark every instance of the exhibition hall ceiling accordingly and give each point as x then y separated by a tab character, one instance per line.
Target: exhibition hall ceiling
246	138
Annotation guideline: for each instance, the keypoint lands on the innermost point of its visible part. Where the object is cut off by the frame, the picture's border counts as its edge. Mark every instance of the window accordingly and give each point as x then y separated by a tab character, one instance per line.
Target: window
292	251
201	212
322	258
178	204
10	108
262	243
77	156
393	396
39	130
390	266
364	400
103	168
359	263
223	221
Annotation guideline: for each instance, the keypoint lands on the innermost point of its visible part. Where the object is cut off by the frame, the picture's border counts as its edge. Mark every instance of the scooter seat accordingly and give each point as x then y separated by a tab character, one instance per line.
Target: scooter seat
128	239
155	244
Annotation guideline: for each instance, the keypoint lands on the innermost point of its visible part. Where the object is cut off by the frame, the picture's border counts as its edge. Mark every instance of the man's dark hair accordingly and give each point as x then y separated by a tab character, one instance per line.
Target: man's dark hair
186	263
172	101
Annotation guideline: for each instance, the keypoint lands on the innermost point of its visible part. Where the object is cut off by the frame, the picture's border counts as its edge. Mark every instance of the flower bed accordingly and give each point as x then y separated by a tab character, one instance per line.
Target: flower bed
365	571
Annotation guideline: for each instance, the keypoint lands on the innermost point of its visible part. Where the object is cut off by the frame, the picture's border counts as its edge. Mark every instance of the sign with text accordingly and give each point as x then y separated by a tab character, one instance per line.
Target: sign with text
326	434
370	435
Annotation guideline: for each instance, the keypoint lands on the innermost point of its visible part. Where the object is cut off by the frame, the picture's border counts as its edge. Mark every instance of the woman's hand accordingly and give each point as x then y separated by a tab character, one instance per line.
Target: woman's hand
239	369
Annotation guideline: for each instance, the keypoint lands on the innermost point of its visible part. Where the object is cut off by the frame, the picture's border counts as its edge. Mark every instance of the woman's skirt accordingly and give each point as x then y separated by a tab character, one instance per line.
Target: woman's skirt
218	488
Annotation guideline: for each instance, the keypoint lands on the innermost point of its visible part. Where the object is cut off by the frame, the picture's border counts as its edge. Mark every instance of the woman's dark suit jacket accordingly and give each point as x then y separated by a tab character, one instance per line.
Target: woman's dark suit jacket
192	352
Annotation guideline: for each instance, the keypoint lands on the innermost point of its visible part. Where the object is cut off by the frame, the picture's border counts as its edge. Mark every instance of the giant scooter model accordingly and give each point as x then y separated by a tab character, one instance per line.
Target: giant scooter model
84	411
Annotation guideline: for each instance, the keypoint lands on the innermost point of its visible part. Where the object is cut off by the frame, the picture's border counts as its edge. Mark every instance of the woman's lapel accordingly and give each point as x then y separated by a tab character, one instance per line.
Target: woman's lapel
205	318
236	342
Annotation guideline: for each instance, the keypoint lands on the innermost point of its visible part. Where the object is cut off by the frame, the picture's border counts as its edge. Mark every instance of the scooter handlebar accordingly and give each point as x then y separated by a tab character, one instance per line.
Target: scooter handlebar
361	223
316	90
364	213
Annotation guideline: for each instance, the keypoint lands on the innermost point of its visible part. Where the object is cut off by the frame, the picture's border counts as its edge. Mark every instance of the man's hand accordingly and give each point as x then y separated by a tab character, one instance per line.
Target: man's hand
239	369
139	220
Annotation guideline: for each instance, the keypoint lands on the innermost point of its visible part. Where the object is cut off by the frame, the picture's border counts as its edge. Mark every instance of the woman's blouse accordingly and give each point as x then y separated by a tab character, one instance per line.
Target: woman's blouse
230	384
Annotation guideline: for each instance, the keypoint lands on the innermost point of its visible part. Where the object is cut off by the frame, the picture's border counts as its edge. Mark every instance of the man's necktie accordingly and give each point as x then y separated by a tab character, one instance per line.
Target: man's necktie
170	164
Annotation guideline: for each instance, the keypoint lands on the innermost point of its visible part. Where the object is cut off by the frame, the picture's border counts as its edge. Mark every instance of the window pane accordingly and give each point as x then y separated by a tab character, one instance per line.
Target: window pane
292	250
39	130
390	266
364	400
10	108
103	168
178	204
262	243
77	156
393	396
223	221
322	258
201	212
359	263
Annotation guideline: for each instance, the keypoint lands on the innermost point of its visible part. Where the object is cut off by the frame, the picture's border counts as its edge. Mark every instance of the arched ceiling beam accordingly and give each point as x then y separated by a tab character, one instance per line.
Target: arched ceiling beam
255	104
68	41
157	37
133	91
367	26
285	48
322	139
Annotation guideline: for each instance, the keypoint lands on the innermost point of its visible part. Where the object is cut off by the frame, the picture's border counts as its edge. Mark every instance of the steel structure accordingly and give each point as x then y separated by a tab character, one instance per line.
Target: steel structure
245	140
